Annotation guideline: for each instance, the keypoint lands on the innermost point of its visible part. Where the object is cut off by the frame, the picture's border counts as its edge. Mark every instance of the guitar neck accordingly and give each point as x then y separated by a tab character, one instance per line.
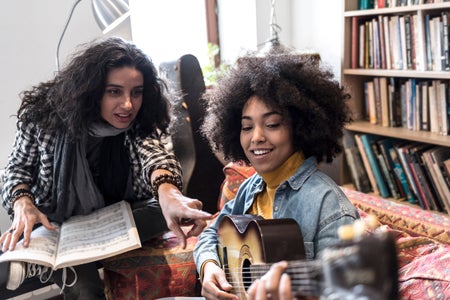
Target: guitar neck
306	276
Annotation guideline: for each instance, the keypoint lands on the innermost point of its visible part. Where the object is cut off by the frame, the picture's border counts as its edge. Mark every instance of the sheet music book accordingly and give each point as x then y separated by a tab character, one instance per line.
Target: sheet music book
81	239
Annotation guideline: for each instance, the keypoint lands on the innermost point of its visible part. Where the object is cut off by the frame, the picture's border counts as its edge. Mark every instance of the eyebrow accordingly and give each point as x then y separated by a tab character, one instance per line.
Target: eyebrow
266	115
121	86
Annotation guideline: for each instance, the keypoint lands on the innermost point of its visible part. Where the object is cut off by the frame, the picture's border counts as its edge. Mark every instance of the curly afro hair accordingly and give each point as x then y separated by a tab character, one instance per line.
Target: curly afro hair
298	85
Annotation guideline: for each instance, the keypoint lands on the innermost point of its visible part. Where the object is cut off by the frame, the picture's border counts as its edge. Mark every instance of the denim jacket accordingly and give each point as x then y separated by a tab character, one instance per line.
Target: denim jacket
310	197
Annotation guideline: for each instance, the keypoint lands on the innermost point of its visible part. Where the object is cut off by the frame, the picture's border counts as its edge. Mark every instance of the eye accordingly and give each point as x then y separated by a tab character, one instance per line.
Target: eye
113	91
273	125
246	127
137	93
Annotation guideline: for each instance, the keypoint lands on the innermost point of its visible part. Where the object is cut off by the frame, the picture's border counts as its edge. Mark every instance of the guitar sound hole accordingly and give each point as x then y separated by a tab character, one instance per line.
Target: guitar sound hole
246	274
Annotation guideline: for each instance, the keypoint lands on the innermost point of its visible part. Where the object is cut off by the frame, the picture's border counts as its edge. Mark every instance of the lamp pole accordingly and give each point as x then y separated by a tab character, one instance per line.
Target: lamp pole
64	31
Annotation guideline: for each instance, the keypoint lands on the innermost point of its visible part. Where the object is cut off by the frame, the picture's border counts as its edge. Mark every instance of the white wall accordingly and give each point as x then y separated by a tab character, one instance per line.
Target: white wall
317	25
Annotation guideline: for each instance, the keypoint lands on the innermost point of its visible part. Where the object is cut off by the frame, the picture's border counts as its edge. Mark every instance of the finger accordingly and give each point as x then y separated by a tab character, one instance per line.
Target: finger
253	289
193	213
44	220
197	228
272	282
27	234
3	237
224	284
6	241
198	204
285	287
261	291
181	237
13	242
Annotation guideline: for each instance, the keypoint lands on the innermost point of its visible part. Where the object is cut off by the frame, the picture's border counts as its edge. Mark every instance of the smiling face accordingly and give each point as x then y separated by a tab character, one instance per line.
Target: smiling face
122	98
266	136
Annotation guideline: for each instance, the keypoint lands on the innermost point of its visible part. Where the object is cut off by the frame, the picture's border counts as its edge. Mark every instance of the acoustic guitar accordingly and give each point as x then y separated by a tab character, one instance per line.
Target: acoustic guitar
364	267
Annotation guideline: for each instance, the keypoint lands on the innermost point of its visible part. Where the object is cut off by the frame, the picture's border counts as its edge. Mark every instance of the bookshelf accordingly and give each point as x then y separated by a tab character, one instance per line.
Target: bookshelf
356	74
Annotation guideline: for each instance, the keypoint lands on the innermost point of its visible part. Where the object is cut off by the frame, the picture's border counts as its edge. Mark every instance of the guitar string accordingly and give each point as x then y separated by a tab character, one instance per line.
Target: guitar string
312	268
305	288
301	277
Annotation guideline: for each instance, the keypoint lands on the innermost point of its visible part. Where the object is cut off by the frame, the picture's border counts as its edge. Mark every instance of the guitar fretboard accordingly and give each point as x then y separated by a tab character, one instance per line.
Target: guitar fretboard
305	276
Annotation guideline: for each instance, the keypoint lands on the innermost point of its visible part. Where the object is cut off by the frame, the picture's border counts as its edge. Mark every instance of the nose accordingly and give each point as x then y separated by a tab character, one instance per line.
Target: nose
258	135
126	103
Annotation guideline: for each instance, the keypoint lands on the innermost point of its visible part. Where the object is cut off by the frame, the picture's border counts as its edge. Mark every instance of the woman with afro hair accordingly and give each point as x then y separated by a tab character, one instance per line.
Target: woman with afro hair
283	114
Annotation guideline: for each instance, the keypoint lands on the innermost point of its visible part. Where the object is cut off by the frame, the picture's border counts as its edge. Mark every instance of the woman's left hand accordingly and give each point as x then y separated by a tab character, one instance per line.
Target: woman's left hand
274	285
179	210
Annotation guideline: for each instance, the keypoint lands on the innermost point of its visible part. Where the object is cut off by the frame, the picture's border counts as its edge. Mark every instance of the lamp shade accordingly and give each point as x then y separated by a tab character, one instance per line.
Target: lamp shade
110	13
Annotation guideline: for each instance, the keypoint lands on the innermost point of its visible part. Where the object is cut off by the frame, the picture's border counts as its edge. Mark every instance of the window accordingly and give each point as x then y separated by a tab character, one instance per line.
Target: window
168	29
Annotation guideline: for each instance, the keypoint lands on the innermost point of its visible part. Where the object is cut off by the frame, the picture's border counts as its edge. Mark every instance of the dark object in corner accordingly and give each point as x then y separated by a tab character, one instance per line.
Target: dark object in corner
202	170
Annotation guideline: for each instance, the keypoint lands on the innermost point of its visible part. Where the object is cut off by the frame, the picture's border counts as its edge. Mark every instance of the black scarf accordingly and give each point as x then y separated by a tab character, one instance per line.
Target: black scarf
75	191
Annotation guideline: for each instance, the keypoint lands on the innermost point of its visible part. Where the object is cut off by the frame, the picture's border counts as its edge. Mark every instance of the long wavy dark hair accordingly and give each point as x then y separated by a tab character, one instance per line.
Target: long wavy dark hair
300	86
71	101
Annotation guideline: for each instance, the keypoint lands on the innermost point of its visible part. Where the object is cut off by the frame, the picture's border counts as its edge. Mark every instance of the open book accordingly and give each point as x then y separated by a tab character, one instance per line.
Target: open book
81	239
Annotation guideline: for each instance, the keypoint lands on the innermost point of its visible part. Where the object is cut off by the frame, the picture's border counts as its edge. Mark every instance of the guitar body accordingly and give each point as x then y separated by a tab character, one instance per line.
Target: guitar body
246	240
362	268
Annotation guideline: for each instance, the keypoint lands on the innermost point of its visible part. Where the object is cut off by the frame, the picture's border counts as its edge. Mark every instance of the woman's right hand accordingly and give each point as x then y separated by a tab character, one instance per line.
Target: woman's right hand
215	284
26	215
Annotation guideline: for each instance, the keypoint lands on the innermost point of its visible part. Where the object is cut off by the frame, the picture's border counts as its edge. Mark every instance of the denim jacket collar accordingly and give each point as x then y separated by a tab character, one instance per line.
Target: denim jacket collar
296	181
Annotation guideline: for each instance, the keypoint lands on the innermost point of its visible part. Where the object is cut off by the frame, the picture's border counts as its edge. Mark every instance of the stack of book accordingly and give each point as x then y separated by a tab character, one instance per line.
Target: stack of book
419	105
399	169
401	42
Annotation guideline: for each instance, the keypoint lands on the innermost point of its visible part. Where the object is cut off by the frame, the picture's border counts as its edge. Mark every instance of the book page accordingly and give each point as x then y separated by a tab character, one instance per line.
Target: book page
41	250
101	234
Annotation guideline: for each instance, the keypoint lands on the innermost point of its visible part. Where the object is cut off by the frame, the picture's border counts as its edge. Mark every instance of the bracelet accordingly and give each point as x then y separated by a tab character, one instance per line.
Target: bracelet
165	178
19	193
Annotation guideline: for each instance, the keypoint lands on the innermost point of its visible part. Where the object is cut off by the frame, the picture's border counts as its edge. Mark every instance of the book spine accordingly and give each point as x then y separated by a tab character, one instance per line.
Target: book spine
385	145
378	110
445	40
393	190
419	43
412	186
401	175
362	45
433	185
384	100
366	140
387	42
355	164
423	200
382	42
408	43
355	43
366	163
428	56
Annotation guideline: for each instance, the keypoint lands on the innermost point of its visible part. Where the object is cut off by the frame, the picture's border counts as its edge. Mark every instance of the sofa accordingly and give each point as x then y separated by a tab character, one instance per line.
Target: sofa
162	269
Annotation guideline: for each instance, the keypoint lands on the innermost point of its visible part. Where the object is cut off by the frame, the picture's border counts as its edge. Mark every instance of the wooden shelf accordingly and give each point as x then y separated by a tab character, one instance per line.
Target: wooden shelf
400	133
352	10
398	73
355	79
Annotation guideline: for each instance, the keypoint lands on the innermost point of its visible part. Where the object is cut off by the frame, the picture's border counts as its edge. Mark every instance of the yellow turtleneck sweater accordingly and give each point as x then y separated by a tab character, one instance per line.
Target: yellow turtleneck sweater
263	204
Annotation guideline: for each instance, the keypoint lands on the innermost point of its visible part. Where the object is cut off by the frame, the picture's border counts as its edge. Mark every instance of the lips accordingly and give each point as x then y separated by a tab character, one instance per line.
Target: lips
260	151
123	117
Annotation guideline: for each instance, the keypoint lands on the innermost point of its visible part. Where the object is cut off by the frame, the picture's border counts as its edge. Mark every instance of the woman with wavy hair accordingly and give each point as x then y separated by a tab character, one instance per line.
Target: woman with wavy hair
88	138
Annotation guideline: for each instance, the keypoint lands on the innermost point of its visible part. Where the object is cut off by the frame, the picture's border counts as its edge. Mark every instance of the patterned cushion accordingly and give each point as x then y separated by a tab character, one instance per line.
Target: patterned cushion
405	217
235	174
423	267
159	269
